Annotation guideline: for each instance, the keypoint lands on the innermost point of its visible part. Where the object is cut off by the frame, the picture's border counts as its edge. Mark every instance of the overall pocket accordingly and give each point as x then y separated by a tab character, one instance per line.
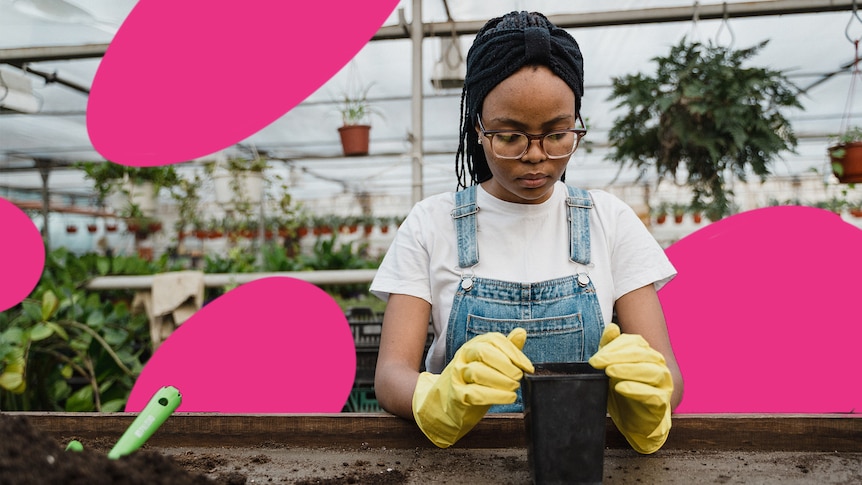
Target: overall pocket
551	339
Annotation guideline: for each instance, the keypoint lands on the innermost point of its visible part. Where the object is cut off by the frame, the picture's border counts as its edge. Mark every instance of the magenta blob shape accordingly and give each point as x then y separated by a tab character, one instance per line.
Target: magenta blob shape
273	345
184	79
22	255
764	314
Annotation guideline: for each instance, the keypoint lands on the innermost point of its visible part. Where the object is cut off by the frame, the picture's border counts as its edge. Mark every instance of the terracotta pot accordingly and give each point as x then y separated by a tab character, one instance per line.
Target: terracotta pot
111	227
851	161
145	253
677	219
302	231
71	229
92	228
354	139
661	219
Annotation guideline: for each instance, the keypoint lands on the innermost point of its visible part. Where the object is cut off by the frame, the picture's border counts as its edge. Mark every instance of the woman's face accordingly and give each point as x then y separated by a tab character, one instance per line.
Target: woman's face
533	100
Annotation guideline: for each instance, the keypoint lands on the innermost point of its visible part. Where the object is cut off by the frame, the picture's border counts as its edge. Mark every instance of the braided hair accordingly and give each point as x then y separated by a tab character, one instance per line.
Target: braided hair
502	47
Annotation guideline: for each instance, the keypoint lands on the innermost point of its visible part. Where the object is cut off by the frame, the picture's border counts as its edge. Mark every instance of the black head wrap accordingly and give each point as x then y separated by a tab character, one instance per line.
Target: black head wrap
502	47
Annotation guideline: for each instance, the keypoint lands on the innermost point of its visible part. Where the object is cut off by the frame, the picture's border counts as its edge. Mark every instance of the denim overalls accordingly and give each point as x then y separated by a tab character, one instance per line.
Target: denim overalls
562	316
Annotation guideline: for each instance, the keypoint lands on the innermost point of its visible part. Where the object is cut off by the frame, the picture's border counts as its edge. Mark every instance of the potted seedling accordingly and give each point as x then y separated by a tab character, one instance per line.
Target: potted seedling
845	155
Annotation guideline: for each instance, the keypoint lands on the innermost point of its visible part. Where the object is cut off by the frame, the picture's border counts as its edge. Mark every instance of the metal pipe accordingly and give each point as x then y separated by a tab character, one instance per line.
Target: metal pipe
21	55
416	102
215	280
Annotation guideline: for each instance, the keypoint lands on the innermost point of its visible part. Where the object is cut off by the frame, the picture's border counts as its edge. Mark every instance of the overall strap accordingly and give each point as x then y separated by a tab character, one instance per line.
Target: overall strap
464	216
579	204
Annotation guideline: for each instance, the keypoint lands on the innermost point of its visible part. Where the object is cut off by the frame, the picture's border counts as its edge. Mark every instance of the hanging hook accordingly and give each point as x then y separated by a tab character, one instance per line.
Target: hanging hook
695	18
456	46
853	15
725	24
854	75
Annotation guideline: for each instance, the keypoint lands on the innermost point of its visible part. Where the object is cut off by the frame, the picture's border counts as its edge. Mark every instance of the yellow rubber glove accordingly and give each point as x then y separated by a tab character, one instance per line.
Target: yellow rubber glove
486	370
640	388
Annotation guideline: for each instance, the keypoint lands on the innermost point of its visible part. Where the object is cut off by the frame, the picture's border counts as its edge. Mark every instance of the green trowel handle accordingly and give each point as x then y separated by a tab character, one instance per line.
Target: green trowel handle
161	405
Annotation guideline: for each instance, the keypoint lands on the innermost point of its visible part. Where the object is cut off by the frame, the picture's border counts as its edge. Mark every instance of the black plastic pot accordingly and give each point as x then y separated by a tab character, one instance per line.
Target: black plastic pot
565	412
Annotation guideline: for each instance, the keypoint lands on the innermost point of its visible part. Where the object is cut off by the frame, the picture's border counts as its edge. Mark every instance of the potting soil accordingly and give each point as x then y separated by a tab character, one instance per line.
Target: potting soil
29	457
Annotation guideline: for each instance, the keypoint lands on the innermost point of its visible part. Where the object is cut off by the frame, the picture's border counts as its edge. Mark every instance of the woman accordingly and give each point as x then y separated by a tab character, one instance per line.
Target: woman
556	261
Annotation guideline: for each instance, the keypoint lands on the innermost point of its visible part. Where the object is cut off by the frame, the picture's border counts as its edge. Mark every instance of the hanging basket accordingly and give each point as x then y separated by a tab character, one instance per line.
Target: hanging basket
355	139
846	161
141	195
245	188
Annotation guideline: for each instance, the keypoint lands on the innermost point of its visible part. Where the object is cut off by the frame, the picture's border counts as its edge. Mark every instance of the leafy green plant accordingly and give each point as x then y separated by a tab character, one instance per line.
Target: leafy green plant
107	176
329	255
187	196
853	134
68	349
706	115
275	258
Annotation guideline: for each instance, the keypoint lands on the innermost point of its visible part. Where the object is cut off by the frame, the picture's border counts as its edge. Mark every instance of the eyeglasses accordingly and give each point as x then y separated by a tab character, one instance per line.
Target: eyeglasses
513	144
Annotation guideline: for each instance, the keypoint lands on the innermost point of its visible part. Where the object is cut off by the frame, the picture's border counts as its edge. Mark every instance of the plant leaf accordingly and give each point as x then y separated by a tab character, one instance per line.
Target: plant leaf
49	305
40	331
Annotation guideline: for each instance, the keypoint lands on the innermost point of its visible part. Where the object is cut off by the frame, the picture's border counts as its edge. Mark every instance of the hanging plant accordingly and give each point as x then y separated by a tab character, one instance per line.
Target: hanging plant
705	115
356	111
845	156
845	153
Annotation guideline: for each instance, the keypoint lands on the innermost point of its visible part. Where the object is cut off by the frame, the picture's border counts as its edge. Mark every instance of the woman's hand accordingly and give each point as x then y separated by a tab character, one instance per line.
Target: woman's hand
640	388
486	370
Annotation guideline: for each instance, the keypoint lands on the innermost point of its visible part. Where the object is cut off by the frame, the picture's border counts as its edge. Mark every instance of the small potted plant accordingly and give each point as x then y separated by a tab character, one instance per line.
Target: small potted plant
661	213
845	154
355	130
678	212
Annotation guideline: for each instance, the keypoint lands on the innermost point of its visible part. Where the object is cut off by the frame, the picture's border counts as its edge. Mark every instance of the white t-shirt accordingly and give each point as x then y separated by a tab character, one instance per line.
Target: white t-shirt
524	243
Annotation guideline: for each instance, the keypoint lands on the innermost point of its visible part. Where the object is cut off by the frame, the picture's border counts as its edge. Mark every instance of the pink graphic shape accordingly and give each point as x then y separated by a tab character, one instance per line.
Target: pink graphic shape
273	345
22	255
764	314
182	80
